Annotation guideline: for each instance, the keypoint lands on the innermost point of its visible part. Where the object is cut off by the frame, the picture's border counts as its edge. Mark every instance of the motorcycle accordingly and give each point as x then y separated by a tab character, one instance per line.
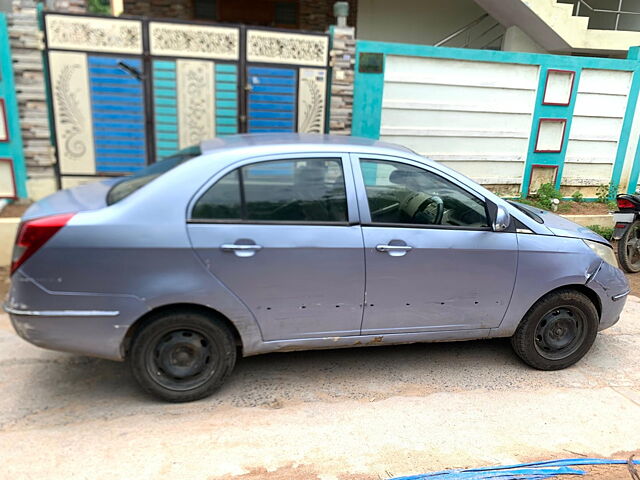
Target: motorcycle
627	231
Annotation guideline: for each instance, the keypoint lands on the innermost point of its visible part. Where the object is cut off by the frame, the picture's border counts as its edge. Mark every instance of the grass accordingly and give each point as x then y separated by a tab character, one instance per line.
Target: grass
606	232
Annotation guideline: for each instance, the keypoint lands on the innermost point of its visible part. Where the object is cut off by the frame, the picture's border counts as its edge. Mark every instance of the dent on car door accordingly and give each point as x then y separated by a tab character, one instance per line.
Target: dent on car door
282	234
432	261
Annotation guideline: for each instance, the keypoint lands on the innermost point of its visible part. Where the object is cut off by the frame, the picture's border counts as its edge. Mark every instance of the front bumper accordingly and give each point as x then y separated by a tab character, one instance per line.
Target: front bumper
612	288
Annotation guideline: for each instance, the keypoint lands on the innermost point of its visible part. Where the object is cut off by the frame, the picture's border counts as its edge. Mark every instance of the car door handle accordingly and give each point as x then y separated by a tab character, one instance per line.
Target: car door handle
393	248
232	247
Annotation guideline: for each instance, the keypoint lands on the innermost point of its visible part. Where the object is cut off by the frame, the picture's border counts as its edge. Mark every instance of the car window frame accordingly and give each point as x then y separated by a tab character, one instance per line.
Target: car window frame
349	184
363	201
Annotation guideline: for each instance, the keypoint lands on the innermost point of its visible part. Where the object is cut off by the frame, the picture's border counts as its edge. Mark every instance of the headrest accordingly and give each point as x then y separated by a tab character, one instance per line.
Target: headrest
399	177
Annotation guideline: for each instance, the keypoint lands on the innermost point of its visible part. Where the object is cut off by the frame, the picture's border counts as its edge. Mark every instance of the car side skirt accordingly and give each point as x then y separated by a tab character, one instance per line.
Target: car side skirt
325	343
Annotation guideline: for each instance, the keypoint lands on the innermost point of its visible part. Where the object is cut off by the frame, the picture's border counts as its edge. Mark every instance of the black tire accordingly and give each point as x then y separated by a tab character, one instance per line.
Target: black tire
629	248
182	356
557	331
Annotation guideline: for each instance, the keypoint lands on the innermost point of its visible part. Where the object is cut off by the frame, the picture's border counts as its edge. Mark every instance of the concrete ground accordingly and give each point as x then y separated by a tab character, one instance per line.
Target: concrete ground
364	413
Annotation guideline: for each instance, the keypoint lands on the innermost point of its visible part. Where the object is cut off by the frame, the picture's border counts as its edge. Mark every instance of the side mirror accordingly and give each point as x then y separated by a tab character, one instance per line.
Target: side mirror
501	219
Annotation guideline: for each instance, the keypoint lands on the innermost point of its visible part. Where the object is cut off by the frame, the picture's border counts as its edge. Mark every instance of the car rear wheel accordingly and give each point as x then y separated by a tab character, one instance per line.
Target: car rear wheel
557	331
182	356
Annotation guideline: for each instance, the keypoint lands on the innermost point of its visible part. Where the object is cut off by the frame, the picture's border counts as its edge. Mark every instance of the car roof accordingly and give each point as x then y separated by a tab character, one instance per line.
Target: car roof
281	142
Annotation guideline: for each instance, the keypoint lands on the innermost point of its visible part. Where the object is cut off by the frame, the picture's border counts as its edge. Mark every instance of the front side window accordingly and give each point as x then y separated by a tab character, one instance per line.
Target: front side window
304	190
403	194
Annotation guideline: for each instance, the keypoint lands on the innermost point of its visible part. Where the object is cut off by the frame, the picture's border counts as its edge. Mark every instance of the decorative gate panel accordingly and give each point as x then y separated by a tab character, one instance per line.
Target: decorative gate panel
128	92
96	75
195	83
12	168
283	94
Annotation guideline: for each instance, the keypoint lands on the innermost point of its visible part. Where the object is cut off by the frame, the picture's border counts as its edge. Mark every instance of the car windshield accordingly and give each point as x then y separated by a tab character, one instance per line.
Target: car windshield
527	211
130	184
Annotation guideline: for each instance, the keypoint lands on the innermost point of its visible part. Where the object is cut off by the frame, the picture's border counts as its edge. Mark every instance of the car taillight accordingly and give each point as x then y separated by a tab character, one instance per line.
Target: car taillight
33	234
624	203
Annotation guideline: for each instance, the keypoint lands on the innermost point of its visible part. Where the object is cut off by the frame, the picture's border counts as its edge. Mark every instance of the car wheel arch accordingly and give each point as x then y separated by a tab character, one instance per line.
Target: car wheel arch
154	313
585	290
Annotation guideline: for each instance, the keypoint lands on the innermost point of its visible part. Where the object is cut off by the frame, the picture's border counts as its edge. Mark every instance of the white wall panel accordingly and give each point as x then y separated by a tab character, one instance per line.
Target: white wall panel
585	149
596	126
614	82
510	172
459	72
468	120
491	99
473	116
600	105
589	174
461	146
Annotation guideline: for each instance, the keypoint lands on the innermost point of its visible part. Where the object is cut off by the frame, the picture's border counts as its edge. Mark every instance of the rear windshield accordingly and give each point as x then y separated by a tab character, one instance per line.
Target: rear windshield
128	185
528	211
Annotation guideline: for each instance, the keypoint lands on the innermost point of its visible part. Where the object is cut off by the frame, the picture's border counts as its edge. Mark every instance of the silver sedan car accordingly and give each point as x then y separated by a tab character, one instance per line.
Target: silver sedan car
264	243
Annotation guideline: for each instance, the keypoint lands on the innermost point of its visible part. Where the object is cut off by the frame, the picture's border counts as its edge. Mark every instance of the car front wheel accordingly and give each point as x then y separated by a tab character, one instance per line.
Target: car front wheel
182	356
557	331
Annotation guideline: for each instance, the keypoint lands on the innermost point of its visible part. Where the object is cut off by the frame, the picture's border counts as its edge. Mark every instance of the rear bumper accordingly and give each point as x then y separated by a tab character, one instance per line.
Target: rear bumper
82	323
612	288
98	336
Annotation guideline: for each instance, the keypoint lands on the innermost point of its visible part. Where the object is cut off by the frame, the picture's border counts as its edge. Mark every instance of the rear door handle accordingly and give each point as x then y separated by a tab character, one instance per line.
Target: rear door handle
231	247
393	248
241	250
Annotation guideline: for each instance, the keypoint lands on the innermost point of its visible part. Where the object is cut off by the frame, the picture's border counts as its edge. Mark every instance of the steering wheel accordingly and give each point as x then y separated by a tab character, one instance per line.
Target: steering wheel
432	209
387	209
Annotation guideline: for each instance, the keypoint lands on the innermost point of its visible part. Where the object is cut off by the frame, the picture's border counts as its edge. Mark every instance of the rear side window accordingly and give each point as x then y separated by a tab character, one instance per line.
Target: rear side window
130	184
305	190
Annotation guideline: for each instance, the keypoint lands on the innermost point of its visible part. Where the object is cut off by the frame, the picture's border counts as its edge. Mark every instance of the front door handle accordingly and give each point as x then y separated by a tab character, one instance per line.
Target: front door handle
393	248
241	249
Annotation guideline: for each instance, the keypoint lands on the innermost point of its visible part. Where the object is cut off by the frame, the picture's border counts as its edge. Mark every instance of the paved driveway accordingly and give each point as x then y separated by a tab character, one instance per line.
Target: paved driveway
360	413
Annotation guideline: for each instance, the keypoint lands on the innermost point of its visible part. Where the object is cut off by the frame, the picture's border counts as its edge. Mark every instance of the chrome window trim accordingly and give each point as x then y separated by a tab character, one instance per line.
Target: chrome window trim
61	313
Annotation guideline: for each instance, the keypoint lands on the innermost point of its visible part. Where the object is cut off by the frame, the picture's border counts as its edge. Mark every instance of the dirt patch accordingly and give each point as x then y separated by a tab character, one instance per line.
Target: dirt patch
634	283
15	209
290	472
606	472
584	208
310	472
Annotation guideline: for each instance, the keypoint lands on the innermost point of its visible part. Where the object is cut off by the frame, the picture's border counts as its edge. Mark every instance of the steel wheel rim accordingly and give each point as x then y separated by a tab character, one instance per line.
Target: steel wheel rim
560	333
632	246
181	359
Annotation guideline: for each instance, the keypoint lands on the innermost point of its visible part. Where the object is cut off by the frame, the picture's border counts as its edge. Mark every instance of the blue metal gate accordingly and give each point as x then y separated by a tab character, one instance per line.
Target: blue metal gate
117	107
271	104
